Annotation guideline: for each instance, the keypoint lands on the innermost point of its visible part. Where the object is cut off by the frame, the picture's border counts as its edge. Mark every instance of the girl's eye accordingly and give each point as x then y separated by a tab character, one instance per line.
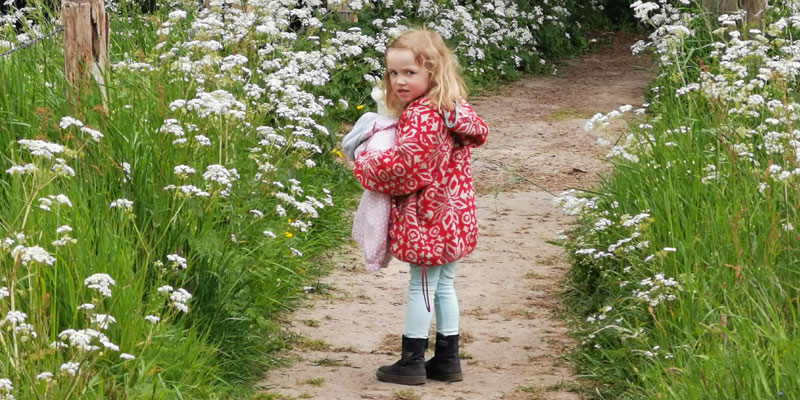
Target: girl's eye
411	72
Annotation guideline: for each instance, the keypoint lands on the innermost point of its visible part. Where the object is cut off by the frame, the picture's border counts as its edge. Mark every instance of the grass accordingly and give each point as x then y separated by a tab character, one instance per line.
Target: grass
690	289
306	344
316	382
405	394
328	362
311	323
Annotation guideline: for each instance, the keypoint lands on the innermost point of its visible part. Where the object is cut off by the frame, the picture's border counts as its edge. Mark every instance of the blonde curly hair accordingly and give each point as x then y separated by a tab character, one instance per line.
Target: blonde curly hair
430	52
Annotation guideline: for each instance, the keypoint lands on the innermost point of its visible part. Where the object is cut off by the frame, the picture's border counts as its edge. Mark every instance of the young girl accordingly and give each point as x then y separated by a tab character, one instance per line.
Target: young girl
428	174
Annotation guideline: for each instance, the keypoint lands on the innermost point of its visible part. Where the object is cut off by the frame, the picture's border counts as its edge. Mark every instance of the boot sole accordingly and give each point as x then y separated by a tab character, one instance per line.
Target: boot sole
447	377
401	379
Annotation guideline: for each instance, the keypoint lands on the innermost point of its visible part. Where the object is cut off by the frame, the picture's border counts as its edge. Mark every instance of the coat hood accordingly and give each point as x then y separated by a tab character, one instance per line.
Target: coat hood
463	123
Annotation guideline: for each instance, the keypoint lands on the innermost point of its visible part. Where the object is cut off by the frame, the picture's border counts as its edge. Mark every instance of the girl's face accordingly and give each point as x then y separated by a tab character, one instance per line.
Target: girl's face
408	79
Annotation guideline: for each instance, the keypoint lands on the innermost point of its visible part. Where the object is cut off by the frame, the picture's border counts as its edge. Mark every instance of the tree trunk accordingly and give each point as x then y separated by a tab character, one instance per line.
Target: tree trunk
85	47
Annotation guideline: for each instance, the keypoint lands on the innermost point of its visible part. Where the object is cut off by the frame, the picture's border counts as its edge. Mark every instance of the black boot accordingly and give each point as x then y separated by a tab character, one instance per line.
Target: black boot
445	364
410	370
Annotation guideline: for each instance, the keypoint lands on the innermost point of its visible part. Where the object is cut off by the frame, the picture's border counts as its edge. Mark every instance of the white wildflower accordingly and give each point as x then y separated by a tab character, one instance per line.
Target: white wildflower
103	320
41	148
70	368
22	170
122	203
34	253
101	283
14	317
165	289
66	122
177	261
183	170
95	134
45	376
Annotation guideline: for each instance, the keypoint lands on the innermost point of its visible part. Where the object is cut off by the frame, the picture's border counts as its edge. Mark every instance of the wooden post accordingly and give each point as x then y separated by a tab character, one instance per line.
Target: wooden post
86	35
344	12
755	8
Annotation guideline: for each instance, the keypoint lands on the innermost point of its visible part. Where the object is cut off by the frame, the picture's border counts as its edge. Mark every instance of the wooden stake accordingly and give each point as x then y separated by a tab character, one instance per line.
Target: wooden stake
755	8
344	12
86	35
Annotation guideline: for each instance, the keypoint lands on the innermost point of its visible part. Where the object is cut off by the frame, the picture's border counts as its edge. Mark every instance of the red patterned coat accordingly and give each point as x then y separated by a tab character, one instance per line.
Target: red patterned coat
429	176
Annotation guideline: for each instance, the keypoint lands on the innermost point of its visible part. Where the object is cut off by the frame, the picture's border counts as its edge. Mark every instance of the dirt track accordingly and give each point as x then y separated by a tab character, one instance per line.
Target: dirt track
512	341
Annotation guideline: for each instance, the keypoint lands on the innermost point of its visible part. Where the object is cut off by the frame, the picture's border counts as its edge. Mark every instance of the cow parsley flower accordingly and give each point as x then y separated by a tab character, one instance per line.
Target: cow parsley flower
22	170
122	203
179	299
257	213
61	168
183	170
165	289
14	317
70	368
41	148
34	253
177	261
66	122
188	190
45	376
202	140
103	320
95	134
101	283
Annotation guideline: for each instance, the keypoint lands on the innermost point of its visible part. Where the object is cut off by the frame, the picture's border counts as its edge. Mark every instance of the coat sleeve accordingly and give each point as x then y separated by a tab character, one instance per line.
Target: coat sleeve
407	167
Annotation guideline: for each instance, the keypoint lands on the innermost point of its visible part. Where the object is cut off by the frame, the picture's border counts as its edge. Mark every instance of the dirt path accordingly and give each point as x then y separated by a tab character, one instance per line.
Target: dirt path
512	341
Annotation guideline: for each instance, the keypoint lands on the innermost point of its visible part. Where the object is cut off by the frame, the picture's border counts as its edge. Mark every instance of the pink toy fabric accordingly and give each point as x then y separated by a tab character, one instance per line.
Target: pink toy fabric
371	222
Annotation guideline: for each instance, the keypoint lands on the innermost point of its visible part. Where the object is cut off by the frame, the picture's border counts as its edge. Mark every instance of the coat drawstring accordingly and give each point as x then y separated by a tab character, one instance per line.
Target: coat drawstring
446	116
425	291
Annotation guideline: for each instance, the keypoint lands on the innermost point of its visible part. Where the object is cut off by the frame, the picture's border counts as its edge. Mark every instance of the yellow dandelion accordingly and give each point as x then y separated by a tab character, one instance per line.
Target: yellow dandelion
289	235
338	153
360	107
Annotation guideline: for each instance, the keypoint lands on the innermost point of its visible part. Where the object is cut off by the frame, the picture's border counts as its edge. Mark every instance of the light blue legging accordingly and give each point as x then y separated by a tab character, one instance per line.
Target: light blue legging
442	290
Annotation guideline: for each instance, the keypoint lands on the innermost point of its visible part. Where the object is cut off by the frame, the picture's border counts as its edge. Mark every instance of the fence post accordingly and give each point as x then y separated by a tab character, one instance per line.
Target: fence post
86	35
344	11
755	8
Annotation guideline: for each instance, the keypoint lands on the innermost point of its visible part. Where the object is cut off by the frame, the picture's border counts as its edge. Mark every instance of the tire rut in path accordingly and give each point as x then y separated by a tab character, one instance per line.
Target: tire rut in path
512	341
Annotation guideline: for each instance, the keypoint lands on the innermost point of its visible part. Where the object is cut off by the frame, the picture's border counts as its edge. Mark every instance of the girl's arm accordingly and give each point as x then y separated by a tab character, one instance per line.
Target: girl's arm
405	168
